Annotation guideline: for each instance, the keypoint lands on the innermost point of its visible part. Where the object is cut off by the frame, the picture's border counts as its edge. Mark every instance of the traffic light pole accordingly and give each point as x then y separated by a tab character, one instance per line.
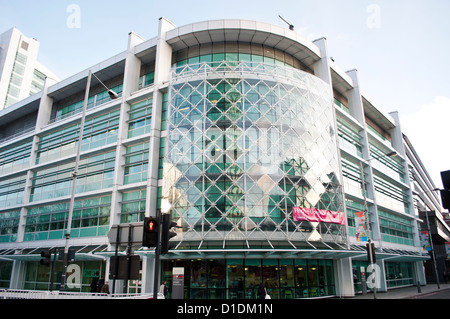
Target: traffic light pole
366	214
52	274
157	255
116	266
433	255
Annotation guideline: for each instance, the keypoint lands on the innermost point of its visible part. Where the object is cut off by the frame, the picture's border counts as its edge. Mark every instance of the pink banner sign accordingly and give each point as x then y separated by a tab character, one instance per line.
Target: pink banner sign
318	215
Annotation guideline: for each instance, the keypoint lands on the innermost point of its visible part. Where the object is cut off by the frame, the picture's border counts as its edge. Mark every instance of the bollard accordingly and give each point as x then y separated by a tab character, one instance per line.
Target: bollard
419	290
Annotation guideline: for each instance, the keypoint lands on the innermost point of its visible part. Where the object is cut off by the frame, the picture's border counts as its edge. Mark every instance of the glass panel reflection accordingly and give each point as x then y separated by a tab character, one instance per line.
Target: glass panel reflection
243	150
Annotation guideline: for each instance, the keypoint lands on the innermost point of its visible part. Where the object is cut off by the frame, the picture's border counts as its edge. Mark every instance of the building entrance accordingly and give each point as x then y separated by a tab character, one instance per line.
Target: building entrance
240	279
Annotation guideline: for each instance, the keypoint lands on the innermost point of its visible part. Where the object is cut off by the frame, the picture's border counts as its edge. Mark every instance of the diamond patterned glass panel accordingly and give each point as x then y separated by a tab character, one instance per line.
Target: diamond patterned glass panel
246	144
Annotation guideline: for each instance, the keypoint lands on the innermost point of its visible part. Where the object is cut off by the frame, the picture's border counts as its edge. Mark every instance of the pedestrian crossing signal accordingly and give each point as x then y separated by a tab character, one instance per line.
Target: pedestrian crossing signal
150	234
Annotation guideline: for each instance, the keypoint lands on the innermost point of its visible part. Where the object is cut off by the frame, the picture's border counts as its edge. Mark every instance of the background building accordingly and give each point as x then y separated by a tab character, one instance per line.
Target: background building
230	126
21	75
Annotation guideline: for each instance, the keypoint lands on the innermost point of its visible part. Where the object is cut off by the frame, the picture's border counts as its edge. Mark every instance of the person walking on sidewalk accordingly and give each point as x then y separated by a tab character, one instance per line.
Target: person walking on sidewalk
105	288
163	289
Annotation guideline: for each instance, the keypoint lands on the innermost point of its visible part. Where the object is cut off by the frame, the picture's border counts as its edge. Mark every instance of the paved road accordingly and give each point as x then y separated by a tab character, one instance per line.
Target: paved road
444	294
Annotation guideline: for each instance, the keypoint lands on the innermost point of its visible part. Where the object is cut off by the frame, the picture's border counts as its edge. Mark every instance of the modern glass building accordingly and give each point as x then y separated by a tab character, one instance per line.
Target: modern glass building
21	75
249	135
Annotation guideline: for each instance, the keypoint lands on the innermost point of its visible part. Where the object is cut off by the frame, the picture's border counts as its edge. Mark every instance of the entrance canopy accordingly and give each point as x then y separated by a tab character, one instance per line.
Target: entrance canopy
389	254
82	253
356	252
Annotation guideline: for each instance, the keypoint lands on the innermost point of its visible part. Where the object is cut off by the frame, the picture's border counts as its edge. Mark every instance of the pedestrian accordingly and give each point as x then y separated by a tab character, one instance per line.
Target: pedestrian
94	284
261	291
100	284
105	288
163	289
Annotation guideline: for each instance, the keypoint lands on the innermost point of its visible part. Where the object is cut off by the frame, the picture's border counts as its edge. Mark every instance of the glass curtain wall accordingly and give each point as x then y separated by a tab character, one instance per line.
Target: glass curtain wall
37	277
240	279
399	274
90	218
244	149
15	158
9	224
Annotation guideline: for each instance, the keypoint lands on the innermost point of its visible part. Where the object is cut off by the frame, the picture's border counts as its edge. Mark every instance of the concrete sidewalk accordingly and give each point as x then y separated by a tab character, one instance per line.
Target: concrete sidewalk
405	293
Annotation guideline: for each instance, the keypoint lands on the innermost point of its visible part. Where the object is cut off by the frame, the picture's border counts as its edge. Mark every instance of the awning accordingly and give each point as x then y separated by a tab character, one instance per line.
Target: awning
237	253
82	253
356	252
389	254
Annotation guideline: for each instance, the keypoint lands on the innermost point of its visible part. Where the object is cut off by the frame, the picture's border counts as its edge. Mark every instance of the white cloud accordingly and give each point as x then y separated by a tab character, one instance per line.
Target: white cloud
429	131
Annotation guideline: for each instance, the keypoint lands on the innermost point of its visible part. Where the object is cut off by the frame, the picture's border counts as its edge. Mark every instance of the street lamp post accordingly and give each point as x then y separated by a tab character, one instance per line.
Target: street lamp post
366	212
113	95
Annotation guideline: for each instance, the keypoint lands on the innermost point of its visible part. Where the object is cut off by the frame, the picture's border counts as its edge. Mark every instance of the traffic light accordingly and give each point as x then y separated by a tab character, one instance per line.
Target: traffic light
445	197
167	224
445	193
150	234
46	256
445	177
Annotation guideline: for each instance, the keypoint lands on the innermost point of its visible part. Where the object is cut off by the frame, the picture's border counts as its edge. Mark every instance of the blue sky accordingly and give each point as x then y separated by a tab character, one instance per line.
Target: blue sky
400	47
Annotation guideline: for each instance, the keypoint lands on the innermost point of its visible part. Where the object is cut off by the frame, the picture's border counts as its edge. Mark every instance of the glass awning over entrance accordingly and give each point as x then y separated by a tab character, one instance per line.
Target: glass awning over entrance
356	252
82	253
389	254
313	251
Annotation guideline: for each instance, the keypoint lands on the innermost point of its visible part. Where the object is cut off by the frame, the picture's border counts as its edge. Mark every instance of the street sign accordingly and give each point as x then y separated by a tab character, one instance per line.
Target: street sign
178	283
136	235
128	267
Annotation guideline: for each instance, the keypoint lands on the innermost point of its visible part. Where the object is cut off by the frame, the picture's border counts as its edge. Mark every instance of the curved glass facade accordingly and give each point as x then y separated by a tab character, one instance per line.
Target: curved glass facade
247	142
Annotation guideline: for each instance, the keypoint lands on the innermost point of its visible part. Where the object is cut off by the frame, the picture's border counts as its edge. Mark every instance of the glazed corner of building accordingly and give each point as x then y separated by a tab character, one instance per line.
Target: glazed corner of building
363	126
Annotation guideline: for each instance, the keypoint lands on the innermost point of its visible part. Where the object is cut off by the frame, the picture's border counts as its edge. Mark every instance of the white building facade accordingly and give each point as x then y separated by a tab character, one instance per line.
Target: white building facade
232	127
21	75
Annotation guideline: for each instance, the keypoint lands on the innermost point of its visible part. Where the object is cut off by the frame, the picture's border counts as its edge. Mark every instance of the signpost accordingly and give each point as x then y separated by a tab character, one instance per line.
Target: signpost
125	267
177	283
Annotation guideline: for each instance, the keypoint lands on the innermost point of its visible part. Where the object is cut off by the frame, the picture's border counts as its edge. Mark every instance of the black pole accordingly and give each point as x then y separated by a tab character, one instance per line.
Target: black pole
62	287
53	269
157	253
130	237
116	266
433	255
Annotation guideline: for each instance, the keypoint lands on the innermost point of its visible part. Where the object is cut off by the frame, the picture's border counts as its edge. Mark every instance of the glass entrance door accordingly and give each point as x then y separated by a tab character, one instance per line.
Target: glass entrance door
270	277
252	278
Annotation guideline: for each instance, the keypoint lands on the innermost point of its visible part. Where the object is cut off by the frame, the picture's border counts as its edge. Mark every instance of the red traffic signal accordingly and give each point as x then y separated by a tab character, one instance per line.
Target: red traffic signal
150	234
151	225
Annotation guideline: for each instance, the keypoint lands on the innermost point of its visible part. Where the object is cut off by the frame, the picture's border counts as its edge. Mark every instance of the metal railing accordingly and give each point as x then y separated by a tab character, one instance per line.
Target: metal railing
39	294
16	135
240	69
